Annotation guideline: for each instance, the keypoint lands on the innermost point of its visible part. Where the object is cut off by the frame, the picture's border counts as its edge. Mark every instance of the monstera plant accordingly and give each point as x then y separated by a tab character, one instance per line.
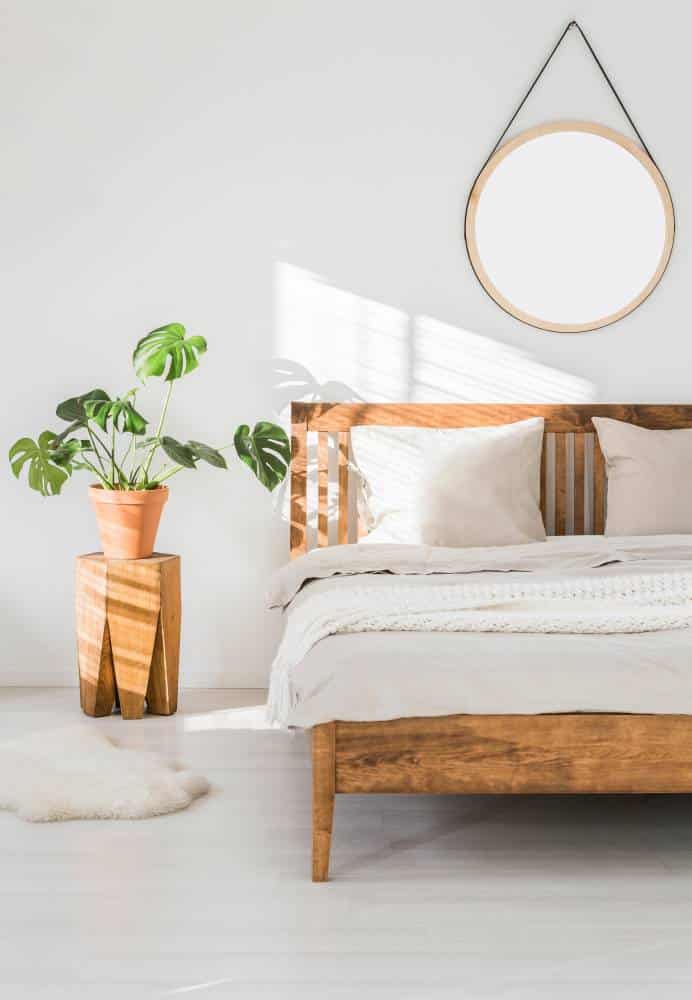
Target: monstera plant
114	442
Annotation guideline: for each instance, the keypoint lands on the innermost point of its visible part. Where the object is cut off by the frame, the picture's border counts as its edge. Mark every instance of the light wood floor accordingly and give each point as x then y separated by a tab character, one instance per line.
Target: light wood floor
461	897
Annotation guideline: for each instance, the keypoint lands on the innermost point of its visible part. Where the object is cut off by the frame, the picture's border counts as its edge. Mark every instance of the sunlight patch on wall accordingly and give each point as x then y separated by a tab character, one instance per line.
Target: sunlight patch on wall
352	347
340	335
454	365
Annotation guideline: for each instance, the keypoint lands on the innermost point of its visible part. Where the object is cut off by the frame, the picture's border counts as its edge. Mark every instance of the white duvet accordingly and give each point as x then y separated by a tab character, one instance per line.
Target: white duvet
570	624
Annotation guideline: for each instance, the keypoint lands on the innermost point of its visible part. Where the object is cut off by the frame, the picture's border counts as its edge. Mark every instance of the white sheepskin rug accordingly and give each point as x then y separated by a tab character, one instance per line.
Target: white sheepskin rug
78	773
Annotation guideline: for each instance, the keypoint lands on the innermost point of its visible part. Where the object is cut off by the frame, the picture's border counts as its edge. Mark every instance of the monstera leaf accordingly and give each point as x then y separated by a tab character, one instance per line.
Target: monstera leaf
205	453
66	453
191	452
45	474
74	411
180	453
120	411
266	450
167	349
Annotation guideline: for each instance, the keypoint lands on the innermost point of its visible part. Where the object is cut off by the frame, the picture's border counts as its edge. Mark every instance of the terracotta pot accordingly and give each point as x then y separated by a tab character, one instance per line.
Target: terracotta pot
128	520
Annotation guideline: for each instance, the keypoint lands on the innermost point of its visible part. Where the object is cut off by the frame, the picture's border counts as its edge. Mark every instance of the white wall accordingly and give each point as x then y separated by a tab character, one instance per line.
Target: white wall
286	178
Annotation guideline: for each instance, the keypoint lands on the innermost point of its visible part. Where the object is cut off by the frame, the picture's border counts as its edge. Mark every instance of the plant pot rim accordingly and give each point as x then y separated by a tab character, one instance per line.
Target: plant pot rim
100	495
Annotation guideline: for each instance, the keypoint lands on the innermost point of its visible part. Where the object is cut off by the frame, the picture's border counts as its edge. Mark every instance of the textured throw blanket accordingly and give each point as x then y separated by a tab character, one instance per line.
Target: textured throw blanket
579	586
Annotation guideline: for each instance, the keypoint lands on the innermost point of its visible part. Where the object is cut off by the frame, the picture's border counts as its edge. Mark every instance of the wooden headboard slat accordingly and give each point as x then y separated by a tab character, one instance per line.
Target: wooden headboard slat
599	488
323	489
574	491
561	484
343	445
579	457
544	479
299	483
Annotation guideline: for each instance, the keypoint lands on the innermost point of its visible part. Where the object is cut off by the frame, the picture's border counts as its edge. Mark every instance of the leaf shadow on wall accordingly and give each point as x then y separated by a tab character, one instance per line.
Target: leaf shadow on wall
287	381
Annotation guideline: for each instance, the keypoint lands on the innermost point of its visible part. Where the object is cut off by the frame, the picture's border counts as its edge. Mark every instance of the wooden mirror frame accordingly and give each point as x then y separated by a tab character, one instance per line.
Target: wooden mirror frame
472	208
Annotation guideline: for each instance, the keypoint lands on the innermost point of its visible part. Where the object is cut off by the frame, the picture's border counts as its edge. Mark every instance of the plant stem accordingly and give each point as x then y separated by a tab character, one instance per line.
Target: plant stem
110	455
127	452
94	440
150	456
171	472
113	450
96	472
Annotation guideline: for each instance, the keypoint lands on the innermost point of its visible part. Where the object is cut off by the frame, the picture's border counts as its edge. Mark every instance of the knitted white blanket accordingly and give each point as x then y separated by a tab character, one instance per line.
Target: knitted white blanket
623	603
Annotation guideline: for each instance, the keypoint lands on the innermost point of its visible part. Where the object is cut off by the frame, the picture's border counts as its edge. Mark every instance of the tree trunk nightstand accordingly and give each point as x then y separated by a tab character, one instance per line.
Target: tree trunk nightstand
128	634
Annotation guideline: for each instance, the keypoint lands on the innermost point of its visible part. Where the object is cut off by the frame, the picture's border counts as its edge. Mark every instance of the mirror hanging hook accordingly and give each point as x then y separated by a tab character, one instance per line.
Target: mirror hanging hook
571	24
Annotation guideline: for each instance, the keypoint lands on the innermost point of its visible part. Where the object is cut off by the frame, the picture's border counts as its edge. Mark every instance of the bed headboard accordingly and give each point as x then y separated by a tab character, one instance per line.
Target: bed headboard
572	469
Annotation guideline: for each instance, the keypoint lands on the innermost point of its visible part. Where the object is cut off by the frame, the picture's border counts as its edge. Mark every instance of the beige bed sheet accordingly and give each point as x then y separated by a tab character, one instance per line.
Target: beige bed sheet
385	675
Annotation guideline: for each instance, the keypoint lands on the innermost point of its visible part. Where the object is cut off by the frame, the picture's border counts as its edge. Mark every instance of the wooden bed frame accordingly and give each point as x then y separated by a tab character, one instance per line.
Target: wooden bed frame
565	753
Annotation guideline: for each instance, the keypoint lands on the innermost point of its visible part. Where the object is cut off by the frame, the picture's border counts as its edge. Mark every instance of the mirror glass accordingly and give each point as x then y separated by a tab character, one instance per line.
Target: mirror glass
569	226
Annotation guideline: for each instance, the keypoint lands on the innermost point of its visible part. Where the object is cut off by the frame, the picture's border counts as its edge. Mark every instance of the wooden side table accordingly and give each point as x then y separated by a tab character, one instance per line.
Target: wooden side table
128	634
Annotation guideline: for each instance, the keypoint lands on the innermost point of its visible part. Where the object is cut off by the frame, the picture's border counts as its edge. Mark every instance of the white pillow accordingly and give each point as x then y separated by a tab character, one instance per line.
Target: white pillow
649	479
451	487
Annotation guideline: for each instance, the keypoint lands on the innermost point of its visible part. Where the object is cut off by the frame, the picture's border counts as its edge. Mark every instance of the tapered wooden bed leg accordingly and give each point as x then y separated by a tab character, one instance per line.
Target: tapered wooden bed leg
323	787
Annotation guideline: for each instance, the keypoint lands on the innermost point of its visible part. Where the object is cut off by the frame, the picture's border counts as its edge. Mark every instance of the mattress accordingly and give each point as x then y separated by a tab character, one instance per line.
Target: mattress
379	674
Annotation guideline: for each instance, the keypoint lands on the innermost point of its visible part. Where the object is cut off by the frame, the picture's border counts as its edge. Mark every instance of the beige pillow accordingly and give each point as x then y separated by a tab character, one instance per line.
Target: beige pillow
649	479
451	487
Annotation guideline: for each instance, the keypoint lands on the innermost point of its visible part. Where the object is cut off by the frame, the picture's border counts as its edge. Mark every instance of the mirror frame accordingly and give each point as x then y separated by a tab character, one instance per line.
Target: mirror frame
477	190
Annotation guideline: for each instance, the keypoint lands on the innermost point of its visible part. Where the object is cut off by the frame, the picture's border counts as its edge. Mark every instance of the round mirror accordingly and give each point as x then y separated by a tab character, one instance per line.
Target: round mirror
569	226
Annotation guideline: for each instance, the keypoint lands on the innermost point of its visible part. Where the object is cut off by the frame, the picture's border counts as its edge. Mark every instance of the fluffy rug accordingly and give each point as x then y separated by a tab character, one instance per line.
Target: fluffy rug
78	773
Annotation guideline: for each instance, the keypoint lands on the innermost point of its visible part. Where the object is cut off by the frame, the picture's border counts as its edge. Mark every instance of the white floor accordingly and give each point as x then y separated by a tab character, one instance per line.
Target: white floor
457	897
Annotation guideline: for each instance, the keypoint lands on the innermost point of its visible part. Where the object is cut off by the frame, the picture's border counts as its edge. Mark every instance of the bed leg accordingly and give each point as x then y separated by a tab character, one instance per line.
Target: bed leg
323	782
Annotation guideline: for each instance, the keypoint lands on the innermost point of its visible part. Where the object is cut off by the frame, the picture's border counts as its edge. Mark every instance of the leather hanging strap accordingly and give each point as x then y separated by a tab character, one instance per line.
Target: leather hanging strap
572	24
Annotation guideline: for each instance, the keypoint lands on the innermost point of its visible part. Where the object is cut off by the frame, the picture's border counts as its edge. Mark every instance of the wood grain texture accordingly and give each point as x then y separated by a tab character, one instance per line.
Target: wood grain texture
162	689
343	445
599	753
559	417
96	677
323	788
544	481
599	488
299	482
133	601
323	489
96	680
561	500
579	455
128	629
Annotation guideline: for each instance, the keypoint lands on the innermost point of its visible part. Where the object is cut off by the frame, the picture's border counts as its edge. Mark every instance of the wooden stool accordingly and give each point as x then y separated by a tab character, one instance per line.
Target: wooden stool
128	634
